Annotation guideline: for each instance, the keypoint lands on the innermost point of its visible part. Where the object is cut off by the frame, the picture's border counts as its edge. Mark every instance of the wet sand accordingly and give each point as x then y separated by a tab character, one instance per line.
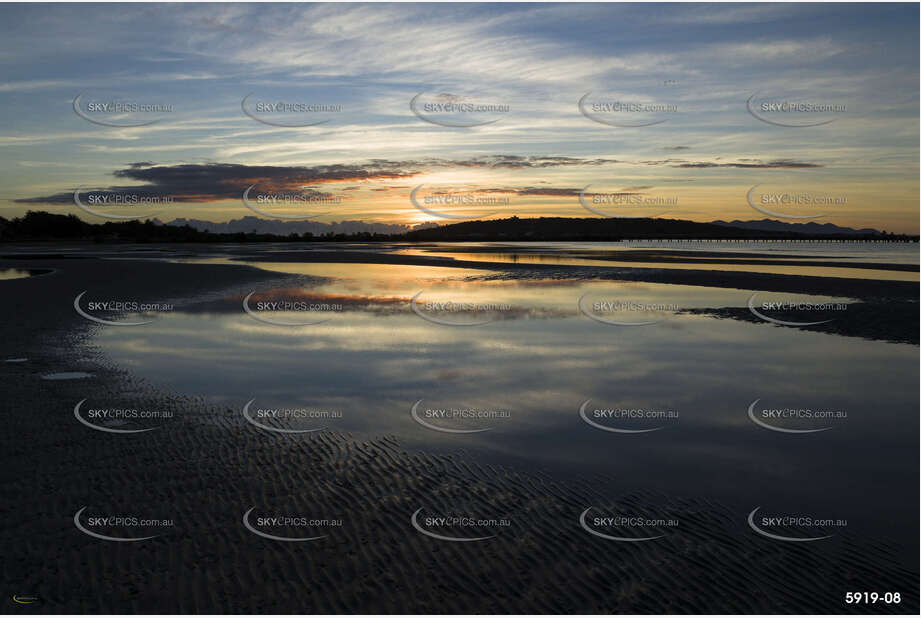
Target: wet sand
886	311
825	286
205	468
889	320
677	256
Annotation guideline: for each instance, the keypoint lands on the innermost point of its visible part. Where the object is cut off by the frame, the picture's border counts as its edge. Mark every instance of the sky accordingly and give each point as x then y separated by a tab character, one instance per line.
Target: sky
579	110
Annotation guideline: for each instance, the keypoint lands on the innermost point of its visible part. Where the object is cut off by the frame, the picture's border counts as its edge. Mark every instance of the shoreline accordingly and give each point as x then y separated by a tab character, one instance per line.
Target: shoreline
865	289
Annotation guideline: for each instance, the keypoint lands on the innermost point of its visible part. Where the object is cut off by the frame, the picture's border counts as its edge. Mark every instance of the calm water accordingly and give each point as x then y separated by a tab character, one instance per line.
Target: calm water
538	358
894	253
835	256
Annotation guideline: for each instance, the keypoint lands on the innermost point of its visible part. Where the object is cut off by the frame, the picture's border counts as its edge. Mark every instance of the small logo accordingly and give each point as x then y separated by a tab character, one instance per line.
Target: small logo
25	599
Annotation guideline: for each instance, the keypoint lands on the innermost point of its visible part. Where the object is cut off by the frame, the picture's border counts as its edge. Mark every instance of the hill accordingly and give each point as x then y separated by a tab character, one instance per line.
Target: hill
812	228
595	229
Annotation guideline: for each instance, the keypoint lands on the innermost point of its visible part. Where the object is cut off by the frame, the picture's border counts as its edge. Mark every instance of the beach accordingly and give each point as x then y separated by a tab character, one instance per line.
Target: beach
366	485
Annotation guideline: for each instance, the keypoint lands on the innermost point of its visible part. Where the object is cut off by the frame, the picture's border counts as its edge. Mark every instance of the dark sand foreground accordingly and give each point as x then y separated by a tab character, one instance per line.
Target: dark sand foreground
205	468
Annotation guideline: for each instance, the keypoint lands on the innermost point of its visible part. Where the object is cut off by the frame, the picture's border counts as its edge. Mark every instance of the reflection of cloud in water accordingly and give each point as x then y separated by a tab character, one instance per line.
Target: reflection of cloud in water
374	365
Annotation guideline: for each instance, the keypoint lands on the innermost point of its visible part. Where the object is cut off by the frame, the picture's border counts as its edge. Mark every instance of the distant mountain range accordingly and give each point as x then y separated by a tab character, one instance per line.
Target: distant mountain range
40	225
255	225
527	228
812	228
595	229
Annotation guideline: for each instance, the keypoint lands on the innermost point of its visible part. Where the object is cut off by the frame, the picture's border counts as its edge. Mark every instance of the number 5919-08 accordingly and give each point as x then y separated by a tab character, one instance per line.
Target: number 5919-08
870	598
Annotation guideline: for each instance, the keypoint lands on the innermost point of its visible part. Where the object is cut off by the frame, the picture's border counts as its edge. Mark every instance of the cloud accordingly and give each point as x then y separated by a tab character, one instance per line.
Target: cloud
517	162
548	191
207	182
532	191
752	164
741	163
